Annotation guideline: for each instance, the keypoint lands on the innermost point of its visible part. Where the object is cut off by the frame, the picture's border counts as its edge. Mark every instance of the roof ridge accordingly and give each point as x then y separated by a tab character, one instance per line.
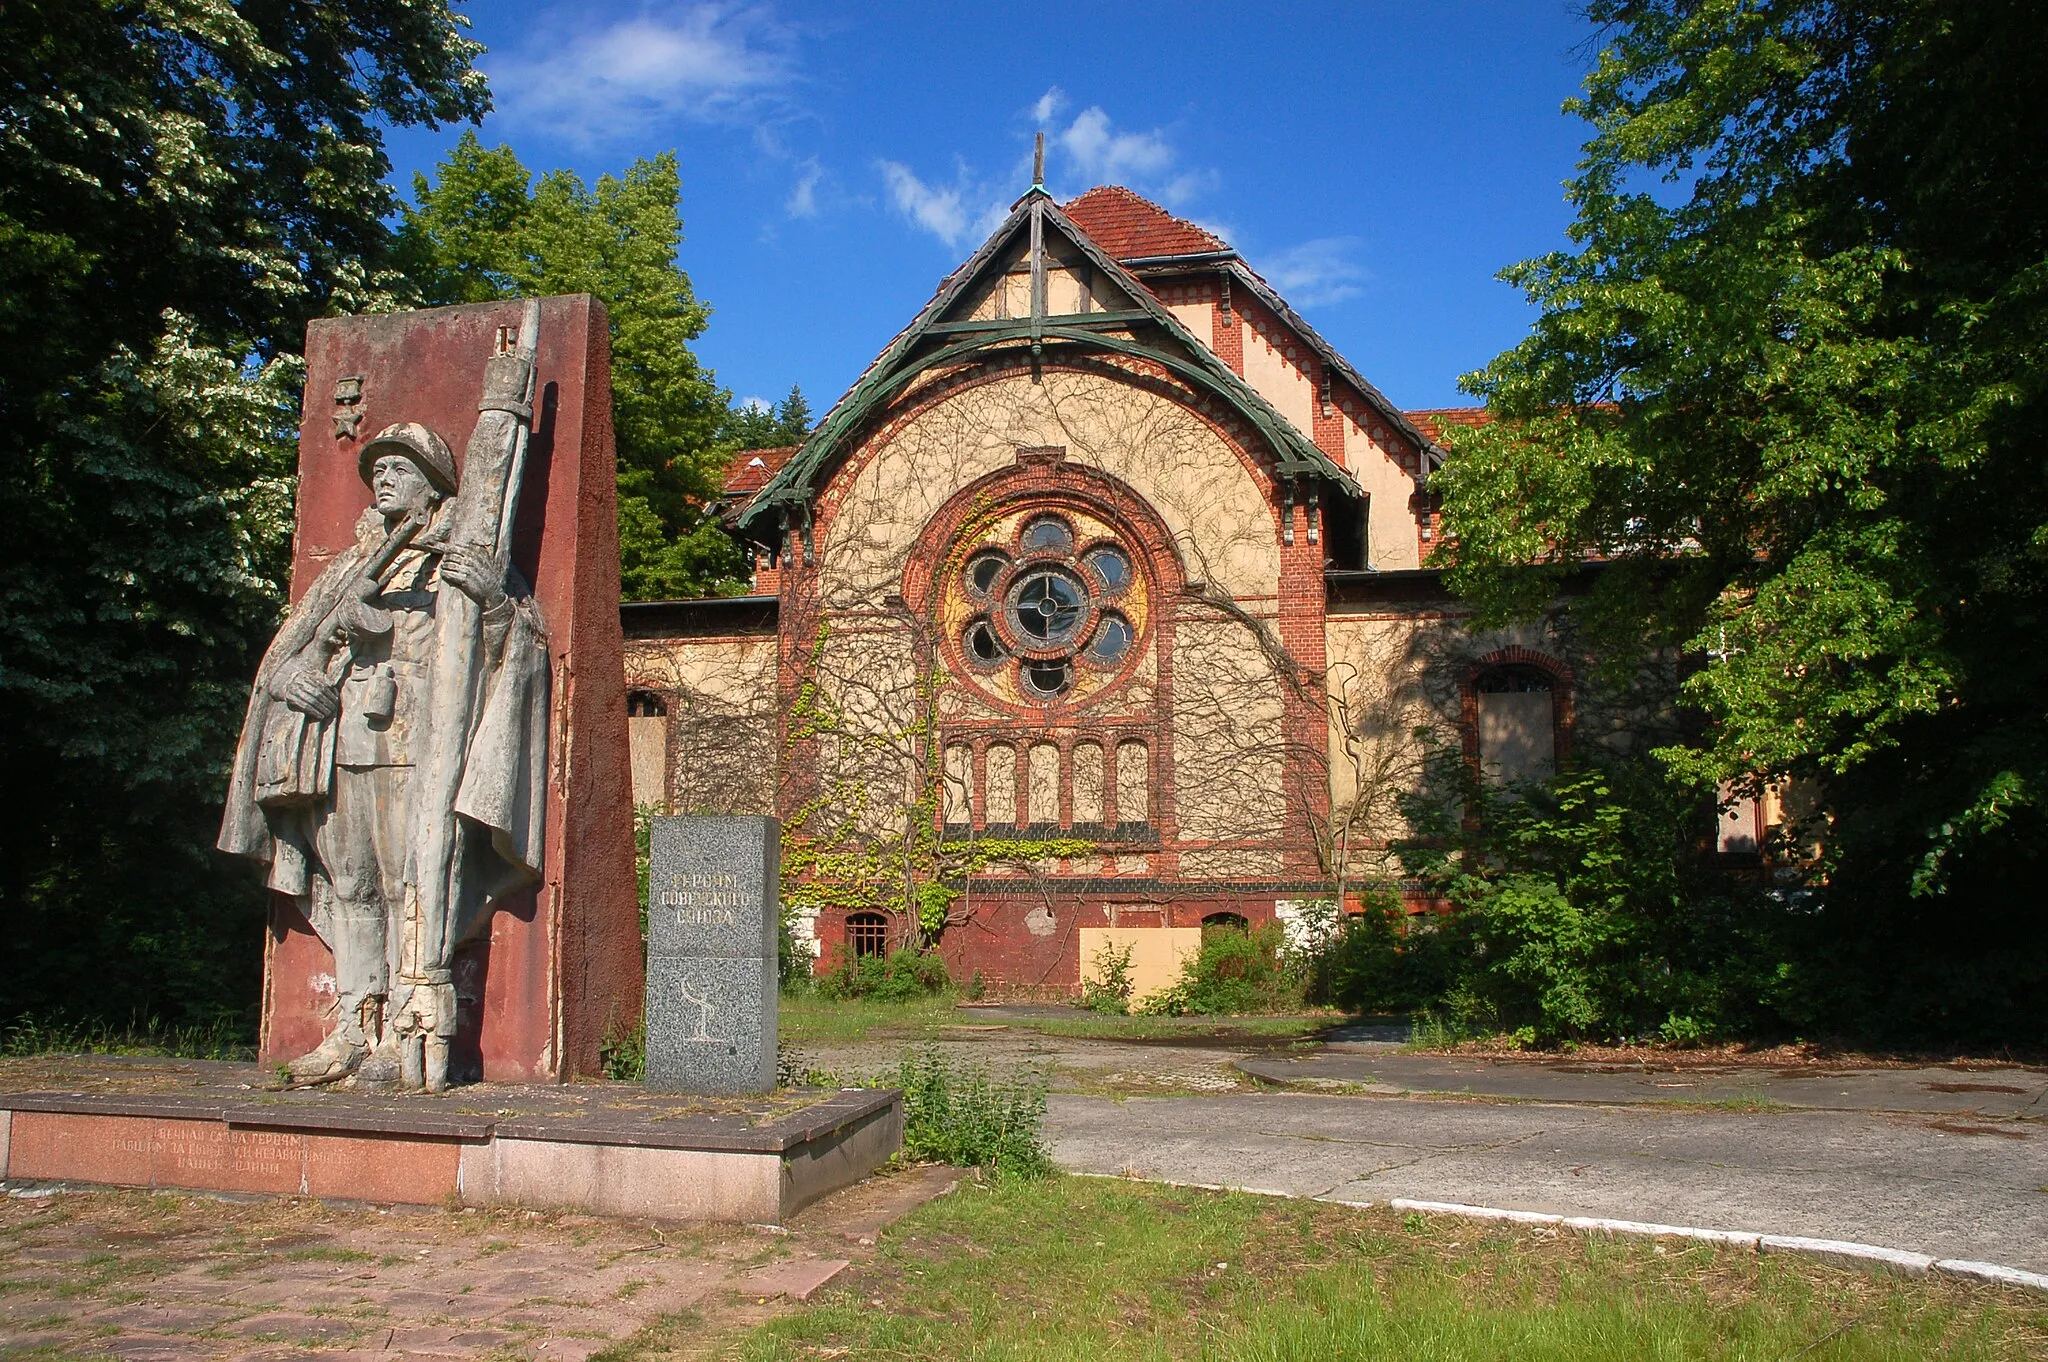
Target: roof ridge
1129	226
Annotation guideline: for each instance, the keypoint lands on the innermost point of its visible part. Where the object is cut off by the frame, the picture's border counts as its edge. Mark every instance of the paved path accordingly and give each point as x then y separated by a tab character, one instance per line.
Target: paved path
1896	1180
1946	1160
1995	1093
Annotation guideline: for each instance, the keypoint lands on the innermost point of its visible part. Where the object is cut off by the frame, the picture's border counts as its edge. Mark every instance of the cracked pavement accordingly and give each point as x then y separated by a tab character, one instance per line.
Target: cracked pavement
1949	1160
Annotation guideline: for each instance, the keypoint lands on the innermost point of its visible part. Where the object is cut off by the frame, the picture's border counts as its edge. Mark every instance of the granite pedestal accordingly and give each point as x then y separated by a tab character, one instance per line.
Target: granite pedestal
713	914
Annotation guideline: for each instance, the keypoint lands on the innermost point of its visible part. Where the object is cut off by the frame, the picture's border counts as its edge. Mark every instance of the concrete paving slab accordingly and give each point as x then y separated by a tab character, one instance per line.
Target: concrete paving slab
2003	1092
1894	1180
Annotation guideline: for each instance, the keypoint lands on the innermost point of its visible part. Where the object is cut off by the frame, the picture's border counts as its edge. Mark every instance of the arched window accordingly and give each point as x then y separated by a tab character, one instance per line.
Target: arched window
1217	923
1517	723
647	746
867	934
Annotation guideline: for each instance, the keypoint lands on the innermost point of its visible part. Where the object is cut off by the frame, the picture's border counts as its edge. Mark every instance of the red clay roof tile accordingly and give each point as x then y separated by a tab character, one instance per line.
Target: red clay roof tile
1434	421
751	469
1128	227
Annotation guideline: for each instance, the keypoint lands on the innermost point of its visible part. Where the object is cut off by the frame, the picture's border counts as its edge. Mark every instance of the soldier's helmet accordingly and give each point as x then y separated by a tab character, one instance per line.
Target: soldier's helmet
414	441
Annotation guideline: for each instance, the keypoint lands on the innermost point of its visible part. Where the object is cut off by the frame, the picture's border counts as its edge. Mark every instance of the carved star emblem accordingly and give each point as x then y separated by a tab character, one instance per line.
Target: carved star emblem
345	423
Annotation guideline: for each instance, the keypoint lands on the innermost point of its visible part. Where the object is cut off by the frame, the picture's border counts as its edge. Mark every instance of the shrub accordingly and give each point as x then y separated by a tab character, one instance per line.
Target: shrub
1385	961
1586	910
1110	994
960	1114
623	1052
898	977
1235	972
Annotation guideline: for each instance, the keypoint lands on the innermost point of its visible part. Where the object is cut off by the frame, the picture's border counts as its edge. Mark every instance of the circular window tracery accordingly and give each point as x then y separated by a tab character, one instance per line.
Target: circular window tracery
1049	605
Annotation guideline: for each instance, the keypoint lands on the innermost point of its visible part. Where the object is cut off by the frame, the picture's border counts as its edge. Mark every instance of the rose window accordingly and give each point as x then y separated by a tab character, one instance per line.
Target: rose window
1051	609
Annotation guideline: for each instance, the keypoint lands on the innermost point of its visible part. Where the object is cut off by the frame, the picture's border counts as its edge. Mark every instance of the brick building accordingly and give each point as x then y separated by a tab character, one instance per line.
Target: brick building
1095	611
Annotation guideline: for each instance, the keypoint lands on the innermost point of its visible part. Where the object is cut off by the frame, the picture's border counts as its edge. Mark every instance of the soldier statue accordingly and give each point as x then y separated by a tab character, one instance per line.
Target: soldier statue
393	761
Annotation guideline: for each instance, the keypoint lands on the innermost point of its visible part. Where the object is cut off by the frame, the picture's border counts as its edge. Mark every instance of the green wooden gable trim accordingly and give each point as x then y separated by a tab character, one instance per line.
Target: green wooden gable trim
931	342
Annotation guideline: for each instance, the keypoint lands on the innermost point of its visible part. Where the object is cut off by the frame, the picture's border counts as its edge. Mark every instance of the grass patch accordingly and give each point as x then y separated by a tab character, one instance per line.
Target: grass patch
1091	1268
807	1019
56	1034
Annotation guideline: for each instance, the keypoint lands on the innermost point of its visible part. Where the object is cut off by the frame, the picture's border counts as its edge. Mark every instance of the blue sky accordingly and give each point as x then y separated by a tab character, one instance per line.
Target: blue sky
1379	163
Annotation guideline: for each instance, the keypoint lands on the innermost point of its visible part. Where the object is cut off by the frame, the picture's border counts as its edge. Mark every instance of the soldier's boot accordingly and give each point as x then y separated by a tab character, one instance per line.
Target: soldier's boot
382	1067
334	1059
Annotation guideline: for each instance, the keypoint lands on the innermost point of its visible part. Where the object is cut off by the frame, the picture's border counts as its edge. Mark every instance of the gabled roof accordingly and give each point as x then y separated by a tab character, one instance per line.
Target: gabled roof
1437	420
1128	227
1141	234
943	336
751	469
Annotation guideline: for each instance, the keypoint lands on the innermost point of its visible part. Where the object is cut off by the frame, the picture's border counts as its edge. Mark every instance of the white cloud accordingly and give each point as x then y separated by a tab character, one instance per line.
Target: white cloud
803	198
938	211
1089	150
703	62
1116	157
1317	273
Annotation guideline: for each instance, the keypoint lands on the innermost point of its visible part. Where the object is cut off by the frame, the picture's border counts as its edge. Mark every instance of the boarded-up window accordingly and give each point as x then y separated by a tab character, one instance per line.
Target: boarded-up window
999	795
1517	725
1045	784
647	741
1741	829
1133	783
1087	783
957	792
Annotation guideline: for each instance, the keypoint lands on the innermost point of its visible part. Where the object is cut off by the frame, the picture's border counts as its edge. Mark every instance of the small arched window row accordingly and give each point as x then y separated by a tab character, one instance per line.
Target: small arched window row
1096	783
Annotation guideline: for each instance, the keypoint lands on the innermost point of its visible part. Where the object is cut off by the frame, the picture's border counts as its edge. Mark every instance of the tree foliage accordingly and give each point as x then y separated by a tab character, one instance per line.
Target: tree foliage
776	426
484	228
1790	380
182	186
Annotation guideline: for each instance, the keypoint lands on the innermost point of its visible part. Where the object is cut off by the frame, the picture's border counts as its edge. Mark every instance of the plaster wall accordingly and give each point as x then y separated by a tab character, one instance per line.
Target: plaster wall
1277	377
722	729
1391	540
1212	504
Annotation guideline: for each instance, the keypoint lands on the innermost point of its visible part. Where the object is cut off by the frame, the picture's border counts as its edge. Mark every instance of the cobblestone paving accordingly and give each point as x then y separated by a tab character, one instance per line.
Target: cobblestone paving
139	1276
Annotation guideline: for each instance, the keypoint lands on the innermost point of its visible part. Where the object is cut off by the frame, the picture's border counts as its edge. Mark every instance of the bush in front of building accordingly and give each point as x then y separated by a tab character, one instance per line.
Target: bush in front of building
1383	960
1235	973
899	977
1109	992
1584	909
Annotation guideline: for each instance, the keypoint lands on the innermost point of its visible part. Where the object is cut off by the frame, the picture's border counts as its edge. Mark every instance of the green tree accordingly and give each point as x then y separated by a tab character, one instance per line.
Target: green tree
1789	381
182	186
484	228
786	423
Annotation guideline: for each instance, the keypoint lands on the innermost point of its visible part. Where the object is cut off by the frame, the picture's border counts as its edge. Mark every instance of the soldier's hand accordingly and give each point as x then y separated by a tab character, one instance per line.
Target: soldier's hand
477	574
311	695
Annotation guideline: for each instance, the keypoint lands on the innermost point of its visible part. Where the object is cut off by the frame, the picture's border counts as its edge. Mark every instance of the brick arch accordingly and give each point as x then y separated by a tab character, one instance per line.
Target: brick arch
1243	442
1041	476
1563	712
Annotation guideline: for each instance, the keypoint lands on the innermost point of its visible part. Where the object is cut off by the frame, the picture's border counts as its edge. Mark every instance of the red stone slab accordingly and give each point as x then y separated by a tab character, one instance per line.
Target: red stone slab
212	1157
61	1147
561	963
364	1168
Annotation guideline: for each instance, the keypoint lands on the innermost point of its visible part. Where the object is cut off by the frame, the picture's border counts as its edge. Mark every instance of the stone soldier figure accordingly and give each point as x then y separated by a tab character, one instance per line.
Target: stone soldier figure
333	775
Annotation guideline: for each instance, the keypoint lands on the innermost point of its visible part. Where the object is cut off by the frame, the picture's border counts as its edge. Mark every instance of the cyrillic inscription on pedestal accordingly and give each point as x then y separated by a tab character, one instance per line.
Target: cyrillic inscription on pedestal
713	912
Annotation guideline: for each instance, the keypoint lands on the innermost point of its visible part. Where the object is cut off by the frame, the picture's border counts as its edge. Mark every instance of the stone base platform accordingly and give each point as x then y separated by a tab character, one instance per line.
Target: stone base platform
600	1148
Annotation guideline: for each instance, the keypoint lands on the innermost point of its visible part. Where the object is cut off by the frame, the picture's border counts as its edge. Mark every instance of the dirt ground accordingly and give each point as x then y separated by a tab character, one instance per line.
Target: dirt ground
138	1275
